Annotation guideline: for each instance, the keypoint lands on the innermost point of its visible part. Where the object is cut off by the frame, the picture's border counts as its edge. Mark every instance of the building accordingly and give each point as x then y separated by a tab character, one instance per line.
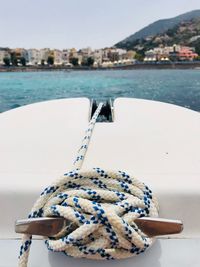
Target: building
19	53
98	56
73	53
44	53
150	56
121	52
4	53
86	52
129	55
57	54
34	56
158	54
113	54
65	56
187	54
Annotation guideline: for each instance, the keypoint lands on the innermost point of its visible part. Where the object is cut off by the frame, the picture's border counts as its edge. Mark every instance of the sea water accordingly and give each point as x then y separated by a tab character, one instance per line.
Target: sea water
180	87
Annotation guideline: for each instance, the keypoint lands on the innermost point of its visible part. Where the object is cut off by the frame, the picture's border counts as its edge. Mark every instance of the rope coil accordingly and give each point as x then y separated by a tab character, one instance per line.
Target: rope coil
101	207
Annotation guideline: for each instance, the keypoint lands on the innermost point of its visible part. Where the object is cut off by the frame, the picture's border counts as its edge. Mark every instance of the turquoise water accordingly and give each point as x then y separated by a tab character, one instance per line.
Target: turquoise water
180	87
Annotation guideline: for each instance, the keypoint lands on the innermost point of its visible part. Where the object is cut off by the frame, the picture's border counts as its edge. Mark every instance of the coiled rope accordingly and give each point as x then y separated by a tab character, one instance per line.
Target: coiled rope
101	207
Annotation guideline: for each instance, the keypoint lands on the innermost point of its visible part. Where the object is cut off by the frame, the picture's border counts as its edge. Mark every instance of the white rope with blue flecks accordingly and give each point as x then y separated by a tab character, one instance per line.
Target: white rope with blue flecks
101	206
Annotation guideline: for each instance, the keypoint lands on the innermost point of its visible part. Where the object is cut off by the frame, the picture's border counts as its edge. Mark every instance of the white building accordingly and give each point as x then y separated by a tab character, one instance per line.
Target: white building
65	56
57	54
44	53
98	56
73	53
86	52
33	57
151	55
121	52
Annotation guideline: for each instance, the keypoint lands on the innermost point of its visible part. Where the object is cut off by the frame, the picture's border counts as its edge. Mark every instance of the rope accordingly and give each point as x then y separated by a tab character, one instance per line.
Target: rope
101	207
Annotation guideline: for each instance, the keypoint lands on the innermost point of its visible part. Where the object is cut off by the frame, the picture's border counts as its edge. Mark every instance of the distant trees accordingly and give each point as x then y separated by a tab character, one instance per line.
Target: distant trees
139	56
74	61
50	60
14	59
6	61
197	47
88	62
23	61
171	32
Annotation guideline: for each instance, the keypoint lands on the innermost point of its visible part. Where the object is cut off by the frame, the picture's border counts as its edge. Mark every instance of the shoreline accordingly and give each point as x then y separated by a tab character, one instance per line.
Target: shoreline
137	66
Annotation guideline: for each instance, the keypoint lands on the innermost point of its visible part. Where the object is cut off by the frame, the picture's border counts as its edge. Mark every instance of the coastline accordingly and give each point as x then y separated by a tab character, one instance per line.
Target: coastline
157	66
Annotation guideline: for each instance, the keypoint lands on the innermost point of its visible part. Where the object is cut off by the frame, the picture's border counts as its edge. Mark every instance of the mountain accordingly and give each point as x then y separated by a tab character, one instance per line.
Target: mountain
157	28
186	33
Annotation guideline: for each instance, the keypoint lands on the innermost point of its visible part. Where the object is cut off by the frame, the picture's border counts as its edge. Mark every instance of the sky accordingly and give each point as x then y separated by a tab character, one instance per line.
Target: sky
80	23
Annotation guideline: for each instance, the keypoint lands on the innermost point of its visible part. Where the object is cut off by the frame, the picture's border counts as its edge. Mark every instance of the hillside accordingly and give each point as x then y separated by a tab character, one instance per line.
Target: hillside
179	29
185	33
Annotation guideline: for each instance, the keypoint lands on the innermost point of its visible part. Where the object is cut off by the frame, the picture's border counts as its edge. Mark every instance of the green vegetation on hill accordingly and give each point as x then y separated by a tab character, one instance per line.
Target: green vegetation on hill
184	30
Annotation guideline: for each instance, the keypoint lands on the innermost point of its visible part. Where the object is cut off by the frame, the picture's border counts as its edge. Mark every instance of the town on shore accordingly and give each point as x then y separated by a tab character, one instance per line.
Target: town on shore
99	58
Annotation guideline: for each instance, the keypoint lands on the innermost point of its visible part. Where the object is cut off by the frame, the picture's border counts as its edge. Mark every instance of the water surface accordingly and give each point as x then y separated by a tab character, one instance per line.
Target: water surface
180	87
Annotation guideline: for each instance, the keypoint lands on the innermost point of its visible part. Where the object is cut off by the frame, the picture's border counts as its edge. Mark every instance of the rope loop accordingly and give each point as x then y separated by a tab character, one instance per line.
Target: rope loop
100	207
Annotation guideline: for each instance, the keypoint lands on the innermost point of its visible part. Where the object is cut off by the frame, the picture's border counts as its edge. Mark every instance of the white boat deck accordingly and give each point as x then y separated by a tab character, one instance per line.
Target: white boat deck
158	143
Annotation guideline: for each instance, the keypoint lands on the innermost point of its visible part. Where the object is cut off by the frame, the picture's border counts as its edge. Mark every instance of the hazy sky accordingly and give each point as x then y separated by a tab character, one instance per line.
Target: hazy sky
80	23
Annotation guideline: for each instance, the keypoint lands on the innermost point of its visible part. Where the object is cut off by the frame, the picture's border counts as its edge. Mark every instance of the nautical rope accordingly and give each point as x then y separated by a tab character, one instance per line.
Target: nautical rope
101	207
